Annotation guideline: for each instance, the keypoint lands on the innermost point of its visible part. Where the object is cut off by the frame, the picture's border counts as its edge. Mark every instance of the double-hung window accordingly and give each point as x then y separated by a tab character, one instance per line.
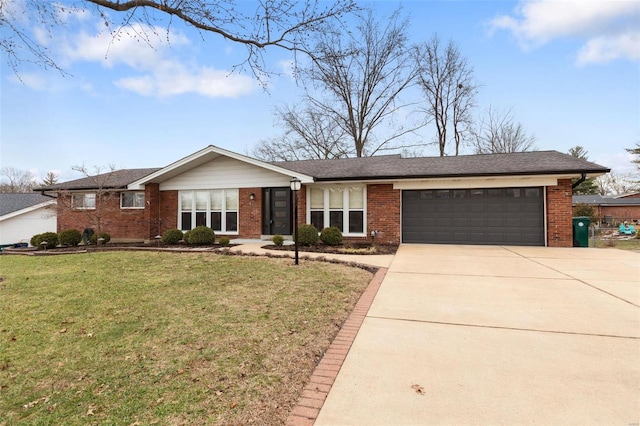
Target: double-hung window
132	200
84	201
216	208
339	206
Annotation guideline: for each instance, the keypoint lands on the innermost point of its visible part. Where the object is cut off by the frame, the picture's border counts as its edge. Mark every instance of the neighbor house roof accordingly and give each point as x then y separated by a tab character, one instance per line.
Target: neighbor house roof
396	167
112	180
599	200
11	203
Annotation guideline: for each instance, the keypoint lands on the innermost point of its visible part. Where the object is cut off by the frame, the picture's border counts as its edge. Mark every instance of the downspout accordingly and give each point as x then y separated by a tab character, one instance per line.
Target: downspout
579	181
47	195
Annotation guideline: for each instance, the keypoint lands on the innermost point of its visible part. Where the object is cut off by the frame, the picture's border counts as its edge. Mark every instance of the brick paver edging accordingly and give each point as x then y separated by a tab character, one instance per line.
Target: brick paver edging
316	391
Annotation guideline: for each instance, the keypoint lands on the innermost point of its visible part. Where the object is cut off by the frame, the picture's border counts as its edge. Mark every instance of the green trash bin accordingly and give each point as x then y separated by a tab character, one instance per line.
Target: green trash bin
581	231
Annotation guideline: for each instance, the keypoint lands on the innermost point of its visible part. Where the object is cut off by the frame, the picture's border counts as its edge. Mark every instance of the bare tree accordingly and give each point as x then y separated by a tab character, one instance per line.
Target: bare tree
449	88
16	181
94	202
285	24
498	132
309	134
357	78
616	184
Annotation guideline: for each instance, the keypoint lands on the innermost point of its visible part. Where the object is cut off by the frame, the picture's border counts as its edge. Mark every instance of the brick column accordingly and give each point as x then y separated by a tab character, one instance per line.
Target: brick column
250	213
559	214
152	209
383	213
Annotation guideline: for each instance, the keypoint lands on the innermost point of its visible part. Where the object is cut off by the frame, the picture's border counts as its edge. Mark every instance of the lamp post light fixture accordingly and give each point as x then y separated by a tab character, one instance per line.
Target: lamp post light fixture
295	187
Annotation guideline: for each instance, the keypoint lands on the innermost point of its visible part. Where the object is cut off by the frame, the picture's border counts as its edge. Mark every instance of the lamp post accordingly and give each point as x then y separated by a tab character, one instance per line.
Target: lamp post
295	187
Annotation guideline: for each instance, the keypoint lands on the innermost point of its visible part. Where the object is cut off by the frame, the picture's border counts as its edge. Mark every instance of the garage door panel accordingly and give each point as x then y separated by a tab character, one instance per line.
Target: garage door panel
474	216
513	222
460	221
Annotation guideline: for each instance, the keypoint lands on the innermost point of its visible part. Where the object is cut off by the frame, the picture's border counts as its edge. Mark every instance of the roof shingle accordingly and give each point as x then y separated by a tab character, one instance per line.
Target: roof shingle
393	166
10	203
111	180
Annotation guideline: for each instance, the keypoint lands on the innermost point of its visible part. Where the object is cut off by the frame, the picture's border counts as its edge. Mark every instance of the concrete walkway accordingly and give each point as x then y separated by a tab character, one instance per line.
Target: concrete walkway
496	335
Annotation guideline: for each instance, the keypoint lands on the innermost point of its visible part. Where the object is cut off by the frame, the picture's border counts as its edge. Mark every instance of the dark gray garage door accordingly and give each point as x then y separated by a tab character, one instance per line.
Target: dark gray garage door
510	216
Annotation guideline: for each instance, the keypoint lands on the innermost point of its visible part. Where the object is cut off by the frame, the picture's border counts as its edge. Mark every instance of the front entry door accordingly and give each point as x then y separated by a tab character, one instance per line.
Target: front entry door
277	211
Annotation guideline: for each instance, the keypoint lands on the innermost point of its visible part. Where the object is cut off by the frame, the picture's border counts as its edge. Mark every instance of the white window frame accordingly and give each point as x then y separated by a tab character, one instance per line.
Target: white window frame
84	205
135	197
209	210
345	207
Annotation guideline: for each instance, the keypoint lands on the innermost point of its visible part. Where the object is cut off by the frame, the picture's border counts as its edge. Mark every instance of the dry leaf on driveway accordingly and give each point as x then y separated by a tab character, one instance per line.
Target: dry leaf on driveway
419	389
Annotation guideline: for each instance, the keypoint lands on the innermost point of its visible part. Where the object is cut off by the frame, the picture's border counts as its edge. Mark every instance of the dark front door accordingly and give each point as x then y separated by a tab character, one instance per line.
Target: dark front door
276	211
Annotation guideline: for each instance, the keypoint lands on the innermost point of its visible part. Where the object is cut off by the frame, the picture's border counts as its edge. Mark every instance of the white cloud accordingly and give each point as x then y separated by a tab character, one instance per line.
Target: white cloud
609	27
609	48
171	79
162	73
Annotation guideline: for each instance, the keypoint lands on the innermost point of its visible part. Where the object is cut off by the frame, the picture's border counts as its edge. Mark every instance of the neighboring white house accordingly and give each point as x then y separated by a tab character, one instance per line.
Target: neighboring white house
24	215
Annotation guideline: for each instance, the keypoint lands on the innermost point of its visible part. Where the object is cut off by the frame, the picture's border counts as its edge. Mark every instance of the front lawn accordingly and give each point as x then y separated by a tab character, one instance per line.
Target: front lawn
163	338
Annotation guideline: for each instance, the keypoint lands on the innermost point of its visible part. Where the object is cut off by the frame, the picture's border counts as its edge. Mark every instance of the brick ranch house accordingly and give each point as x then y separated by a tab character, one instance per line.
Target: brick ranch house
510	199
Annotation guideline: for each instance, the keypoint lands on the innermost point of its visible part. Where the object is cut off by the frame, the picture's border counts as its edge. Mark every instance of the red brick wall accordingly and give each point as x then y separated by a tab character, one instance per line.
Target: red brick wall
621	213
168	211
302	205
249	213
383	213
559	214
120	224
152	209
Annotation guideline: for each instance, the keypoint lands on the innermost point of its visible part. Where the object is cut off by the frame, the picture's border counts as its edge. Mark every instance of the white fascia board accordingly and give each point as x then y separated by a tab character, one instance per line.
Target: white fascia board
27	210
480	182
211	149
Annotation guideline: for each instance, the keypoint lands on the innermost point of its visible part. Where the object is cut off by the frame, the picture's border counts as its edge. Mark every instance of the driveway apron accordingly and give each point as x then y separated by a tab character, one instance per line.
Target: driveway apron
496	335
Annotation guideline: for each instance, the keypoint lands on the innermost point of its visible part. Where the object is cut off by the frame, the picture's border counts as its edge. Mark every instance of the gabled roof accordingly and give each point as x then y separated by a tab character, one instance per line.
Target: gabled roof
117	179
384	167
599	200
395	167
11	203
206	155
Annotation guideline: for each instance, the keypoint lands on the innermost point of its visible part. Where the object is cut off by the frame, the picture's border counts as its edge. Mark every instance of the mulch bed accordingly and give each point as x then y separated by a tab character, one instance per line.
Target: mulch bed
348	248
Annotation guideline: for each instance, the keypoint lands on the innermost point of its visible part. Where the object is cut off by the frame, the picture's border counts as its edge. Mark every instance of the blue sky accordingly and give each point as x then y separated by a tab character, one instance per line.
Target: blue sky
570	70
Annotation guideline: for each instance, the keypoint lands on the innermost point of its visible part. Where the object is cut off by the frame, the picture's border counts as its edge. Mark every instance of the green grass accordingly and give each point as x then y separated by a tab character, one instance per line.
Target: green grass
632	244
163	338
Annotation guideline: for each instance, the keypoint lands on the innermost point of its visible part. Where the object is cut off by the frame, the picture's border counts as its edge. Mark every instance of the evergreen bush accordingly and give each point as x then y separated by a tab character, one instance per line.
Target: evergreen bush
172	236
331	236
201	235
307	235
95	237
70	237
50	237
278	240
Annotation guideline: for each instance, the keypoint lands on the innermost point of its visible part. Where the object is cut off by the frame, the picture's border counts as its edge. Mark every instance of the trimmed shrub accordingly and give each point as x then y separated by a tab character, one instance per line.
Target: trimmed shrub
331	236
201	235
172	236
106	237
50	237
35	240
224	241
278	240
70	237
307	235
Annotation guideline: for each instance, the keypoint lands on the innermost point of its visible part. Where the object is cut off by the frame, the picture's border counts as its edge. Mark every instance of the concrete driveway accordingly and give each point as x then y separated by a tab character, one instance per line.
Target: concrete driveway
496	335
